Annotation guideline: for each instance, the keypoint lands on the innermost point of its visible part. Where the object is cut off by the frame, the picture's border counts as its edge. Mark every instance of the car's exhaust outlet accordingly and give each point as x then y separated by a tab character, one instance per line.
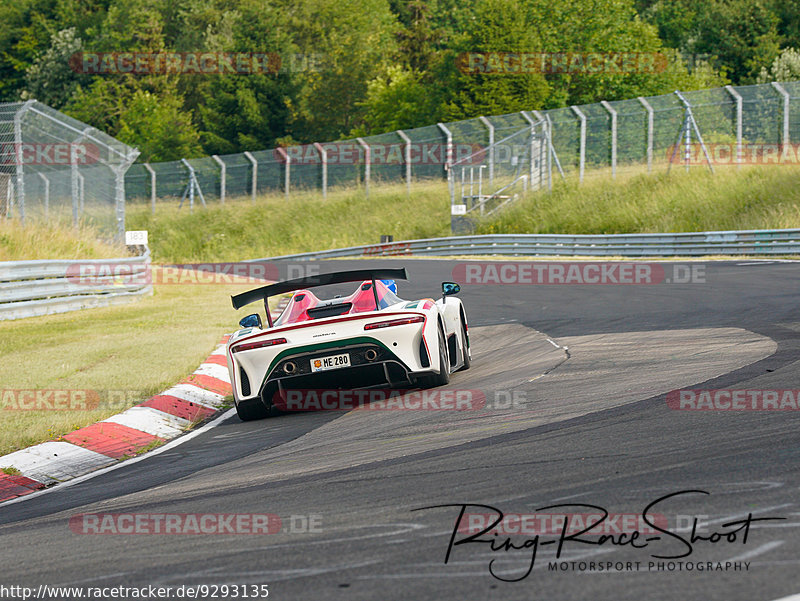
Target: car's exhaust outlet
371	354
289	367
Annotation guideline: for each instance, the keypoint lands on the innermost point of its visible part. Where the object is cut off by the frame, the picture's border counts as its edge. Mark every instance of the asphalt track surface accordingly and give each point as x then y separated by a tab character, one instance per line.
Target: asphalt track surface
590	426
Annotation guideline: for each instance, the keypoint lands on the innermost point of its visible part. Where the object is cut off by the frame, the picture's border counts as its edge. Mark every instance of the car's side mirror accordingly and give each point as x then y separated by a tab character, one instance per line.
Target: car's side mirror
251	321
449	288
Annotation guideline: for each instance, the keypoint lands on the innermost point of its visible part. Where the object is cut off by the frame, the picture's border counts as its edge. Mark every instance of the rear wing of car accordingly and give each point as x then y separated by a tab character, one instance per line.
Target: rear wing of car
325	279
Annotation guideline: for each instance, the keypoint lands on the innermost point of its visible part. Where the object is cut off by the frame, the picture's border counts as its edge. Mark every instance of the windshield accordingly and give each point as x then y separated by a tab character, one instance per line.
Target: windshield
305	305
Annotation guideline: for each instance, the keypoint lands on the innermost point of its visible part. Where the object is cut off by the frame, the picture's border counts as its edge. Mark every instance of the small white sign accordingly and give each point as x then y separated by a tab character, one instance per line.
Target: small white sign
136	237
458	209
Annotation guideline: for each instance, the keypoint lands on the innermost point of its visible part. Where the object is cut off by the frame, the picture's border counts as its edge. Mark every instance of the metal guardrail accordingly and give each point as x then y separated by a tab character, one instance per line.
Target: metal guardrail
745	242
34	288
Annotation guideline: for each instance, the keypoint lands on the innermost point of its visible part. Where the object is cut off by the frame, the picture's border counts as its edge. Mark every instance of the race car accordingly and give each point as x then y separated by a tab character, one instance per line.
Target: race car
370	338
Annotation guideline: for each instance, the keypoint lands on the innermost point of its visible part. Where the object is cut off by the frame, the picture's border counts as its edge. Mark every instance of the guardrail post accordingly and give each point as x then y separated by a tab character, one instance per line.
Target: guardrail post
254	182
738	99
367	164
582	143
46	194
152	173
490	158
222	177
613	114
287	174
407	154
786	98
650	129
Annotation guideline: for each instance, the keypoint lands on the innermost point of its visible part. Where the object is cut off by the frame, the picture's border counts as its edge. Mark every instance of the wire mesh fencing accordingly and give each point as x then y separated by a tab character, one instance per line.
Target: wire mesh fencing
56	169
722	127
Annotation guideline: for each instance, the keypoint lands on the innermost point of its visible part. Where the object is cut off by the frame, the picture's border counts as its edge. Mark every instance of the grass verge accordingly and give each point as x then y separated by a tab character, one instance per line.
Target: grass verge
125	353
752	198
272	226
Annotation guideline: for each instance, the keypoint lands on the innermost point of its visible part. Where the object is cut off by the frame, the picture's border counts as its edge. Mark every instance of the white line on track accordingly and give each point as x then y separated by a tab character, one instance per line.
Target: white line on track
760	550
170	445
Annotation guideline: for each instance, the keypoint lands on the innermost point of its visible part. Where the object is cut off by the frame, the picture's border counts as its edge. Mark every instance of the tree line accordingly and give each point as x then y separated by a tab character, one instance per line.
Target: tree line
184	78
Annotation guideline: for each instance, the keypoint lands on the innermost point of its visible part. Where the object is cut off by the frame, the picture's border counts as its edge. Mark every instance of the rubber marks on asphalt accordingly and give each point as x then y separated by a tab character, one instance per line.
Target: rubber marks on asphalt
124	435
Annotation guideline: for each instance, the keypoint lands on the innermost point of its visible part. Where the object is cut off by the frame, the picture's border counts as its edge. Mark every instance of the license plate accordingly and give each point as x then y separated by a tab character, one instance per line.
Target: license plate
330	362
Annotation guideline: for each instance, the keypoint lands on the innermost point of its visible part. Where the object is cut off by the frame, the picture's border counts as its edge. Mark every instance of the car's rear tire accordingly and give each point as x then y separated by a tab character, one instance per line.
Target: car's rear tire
465	348
251	409
443	377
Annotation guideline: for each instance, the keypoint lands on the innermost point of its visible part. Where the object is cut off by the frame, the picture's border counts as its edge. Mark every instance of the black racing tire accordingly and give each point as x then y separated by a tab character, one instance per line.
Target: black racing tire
443	377
465	348
251	409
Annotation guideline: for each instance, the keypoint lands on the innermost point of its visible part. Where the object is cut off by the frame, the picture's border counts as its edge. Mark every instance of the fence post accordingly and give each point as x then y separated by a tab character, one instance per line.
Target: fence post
77	192
545	165
324	156
407	153
532	123
738	98
582	143
287	174
81	197
490	127
690	123
448	162
367	158
18	156
786	98
613	114
254	182
46	194
152	173
119	191
222	177
650	129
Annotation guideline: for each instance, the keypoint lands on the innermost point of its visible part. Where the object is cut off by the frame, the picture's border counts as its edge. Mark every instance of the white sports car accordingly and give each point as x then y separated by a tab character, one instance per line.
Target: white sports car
369	339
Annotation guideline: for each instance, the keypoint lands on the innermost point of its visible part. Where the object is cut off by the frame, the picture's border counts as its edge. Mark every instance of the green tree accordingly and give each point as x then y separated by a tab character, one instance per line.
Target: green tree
785	67
498	26
396	100
742	34
52	78
27	26
349	45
